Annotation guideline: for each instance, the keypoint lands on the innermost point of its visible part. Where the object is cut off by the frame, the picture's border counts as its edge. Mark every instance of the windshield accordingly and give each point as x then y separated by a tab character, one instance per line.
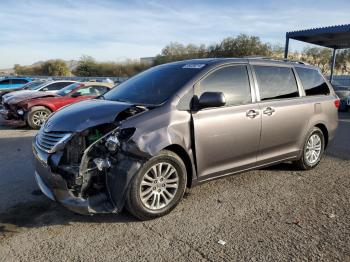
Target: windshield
68	89
153	86
33	85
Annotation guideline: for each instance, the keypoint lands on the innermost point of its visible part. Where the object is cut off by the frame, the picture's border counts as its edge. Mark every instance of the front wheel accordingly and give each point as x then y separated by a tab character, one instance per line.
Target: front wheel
158	187
313	150
37	116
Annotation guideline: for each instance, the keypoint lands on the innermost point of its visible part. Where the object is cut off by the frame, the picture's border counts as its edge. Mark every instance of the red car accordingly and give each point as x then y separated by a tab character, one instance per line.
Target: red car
34	108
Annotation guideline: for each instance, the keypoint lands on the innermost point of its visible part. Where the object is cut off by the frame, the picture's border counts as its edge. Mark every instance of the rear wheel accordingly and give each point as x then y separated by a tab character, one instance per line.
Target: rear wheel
37	116
158	187
313	150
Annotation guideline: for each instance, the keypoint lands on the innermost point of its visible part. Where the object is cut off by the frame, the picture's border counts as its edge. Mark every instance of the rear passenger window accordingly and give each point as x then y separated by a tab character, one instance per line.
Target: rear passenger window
233	81
312	81
57	86
19	81
276	82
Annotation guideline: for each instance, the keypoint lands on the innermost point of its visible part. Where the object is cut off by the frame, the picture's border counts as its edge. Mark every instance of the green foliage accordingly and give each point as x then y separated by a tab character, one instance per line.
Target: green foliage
240	46
55	68
49	68
87	66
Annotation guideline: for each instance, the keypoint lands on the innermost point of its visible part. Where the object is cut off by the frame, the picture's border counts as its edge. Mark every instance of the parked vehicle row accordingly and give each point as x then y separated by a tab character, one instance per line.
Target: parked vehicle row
14	82
37	85
35	103
180	124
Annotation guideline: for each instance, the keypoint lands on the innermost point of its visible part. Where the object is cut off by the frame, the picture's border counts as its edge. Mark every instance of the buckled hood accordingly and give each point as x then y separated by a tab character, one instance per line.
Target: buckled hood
80	116
20	96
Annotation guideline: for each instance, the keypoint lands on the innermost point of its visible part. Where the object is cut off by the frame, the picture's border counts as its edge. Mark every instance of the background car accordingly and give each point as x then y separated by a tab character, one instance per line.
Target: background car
46	86
29	86
343	92
14	82
35	107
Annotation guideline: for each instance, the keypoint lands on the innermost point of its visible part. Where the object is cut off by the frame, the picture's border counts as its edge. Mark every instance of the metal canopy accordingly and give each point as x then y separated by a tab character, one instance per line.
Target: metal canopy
335	37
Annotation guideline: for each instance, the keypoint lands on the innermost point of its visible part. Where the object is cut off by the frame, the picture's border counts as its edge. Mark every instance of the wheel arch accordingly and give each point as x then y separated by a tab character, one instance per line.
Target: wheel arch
181	152
36	107
324	131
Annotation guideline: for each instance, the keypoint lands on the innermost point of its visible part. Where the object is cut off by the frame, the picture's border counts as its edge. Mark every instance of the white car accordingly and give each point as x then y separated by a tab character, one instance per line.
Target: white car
47	86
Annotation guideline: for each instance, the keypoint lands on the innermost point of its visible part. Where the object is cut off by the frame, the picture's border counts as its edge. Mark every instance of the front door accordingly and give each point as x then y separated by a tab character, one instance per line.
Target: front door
226	138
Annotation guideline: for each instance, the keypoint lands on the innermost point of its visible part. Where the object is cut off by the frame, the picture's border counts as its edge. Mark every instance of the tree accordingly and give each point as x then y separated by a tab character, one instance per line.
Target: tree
242	45
55	68
87	66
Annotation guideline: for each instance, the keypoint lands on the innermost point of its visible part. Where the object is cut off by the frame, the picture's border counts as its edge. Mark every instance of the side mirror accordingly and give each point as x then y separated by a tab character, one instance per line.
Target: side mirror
45	89
211	99
74	95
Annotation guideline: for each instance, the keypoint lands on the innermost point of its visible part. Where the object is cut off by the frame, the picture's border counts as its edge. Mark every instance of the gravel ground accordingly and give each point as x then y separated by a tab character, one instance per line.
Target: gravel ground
277	213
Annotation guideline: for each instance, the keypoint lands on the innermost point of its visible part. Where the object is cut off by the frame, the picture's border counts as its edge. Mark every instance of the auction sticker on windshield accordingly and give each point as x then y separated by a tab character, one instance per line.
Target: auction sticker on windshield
194	66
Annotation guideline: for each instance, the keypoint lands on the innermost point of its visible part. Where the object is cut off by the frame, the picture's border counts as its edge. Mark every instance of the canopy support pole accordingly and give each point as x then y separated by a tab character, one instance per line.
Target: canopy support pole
286	47
333	64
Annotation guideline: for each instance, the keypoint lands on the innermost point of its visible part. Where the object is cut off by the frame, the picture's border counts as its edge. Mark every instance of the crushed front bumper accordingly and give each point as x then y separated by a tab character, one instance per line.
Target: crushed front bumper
55	187
11	119
4	113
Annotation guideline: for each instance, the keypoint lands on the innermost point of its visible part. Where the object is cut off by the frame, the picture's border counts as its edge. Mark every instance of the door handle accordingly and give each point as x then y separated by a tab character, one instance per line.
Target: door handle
252	113
268	111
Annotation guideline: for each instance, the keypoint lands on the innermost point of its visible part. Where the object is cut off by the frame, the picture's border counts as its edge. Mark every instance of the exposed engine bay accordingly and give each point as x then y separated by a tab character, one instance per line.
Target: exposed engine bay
89	160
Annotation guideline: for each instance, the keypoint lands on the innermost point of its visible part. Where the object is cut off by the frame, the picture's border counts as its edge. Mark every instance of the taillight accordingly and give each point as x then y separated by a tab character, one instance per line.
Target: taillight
337	103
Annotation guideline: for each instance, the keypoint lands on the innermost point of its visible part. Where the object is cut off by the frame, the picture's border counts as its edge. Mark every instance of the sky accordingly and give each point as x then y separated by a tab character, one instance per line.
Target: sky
111	30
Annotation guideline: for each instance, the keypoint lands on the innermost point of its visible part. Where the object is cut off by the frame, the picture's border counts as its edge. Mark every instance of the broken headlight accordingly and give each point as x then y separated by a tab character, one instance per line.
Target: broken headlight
113	141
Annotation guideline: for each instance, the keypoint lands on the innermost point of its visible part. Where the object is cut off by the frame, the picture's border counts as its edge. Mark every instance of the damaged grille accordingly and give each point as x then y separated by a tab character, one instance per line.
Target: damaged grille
47	141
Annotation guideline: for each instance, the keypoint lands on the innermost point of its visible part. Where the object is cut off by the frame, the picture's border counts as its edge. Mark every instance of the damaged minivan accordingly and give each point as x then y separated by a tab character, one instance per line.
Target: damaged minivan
177	125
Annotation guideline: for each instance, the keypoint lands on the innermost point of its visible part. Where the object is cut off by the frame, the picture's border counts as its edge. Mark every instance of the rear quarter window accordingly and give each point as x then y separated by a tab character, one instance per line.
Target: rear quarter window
312	81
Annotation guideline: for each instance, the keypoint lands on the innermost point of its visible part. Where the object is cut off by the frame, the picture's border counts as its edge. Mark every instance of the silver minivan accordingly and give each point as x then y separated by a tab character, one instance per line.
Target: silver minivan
180	124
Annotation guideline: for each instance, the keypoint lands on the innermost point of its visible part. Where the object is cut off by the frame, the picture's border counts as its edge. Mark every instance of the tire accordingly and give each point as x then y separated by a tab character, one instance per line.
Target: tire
305	163
142	186
35	113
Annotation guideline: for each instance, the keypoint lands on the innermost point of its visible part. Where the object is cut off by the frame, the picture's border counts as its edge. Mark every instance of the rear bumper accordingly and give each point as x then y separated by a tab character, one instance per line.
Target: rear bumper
55	187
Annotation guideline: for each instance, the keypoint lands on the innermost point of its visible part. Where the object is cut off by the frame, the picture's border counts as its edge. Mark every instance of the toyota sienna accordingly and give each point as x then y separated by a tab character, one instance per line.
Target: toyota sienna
180	124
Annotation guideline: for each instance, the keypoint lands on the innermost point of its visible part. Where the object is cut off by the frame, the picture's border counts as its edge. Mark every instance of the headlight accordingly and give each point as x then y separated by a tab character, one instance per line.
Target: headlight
112	143
20	112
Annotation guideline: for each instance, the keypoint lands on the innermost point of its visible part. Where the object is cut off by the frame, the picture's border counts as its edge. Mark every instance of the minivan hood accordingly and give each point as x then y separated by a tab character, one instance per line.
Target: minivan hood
83	115
26	95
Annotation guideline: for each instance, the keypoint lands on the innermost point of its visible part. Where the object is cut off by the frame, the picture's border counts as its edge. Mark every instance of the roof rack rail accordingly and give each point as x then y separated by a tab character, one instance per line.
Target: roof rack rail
296	61
256	57
278	60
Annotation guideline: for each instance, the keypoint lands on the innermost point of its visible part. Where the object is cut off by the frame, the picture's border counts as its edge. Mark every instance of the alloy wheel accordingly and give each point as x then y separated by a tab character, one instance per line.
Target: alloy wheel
313	149
159	186
39	117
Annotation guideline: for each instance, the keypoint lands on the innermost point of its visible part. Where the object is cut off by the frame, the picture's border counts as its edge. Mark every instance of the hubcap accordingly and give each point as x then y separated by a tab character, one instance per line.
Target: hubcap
40	117
159	186
313	149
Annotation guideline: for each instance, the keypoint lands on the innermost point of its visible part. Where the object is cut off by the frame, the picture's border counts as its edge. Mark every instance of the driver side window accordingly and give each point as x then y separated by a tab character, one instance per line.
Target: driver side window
232	81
